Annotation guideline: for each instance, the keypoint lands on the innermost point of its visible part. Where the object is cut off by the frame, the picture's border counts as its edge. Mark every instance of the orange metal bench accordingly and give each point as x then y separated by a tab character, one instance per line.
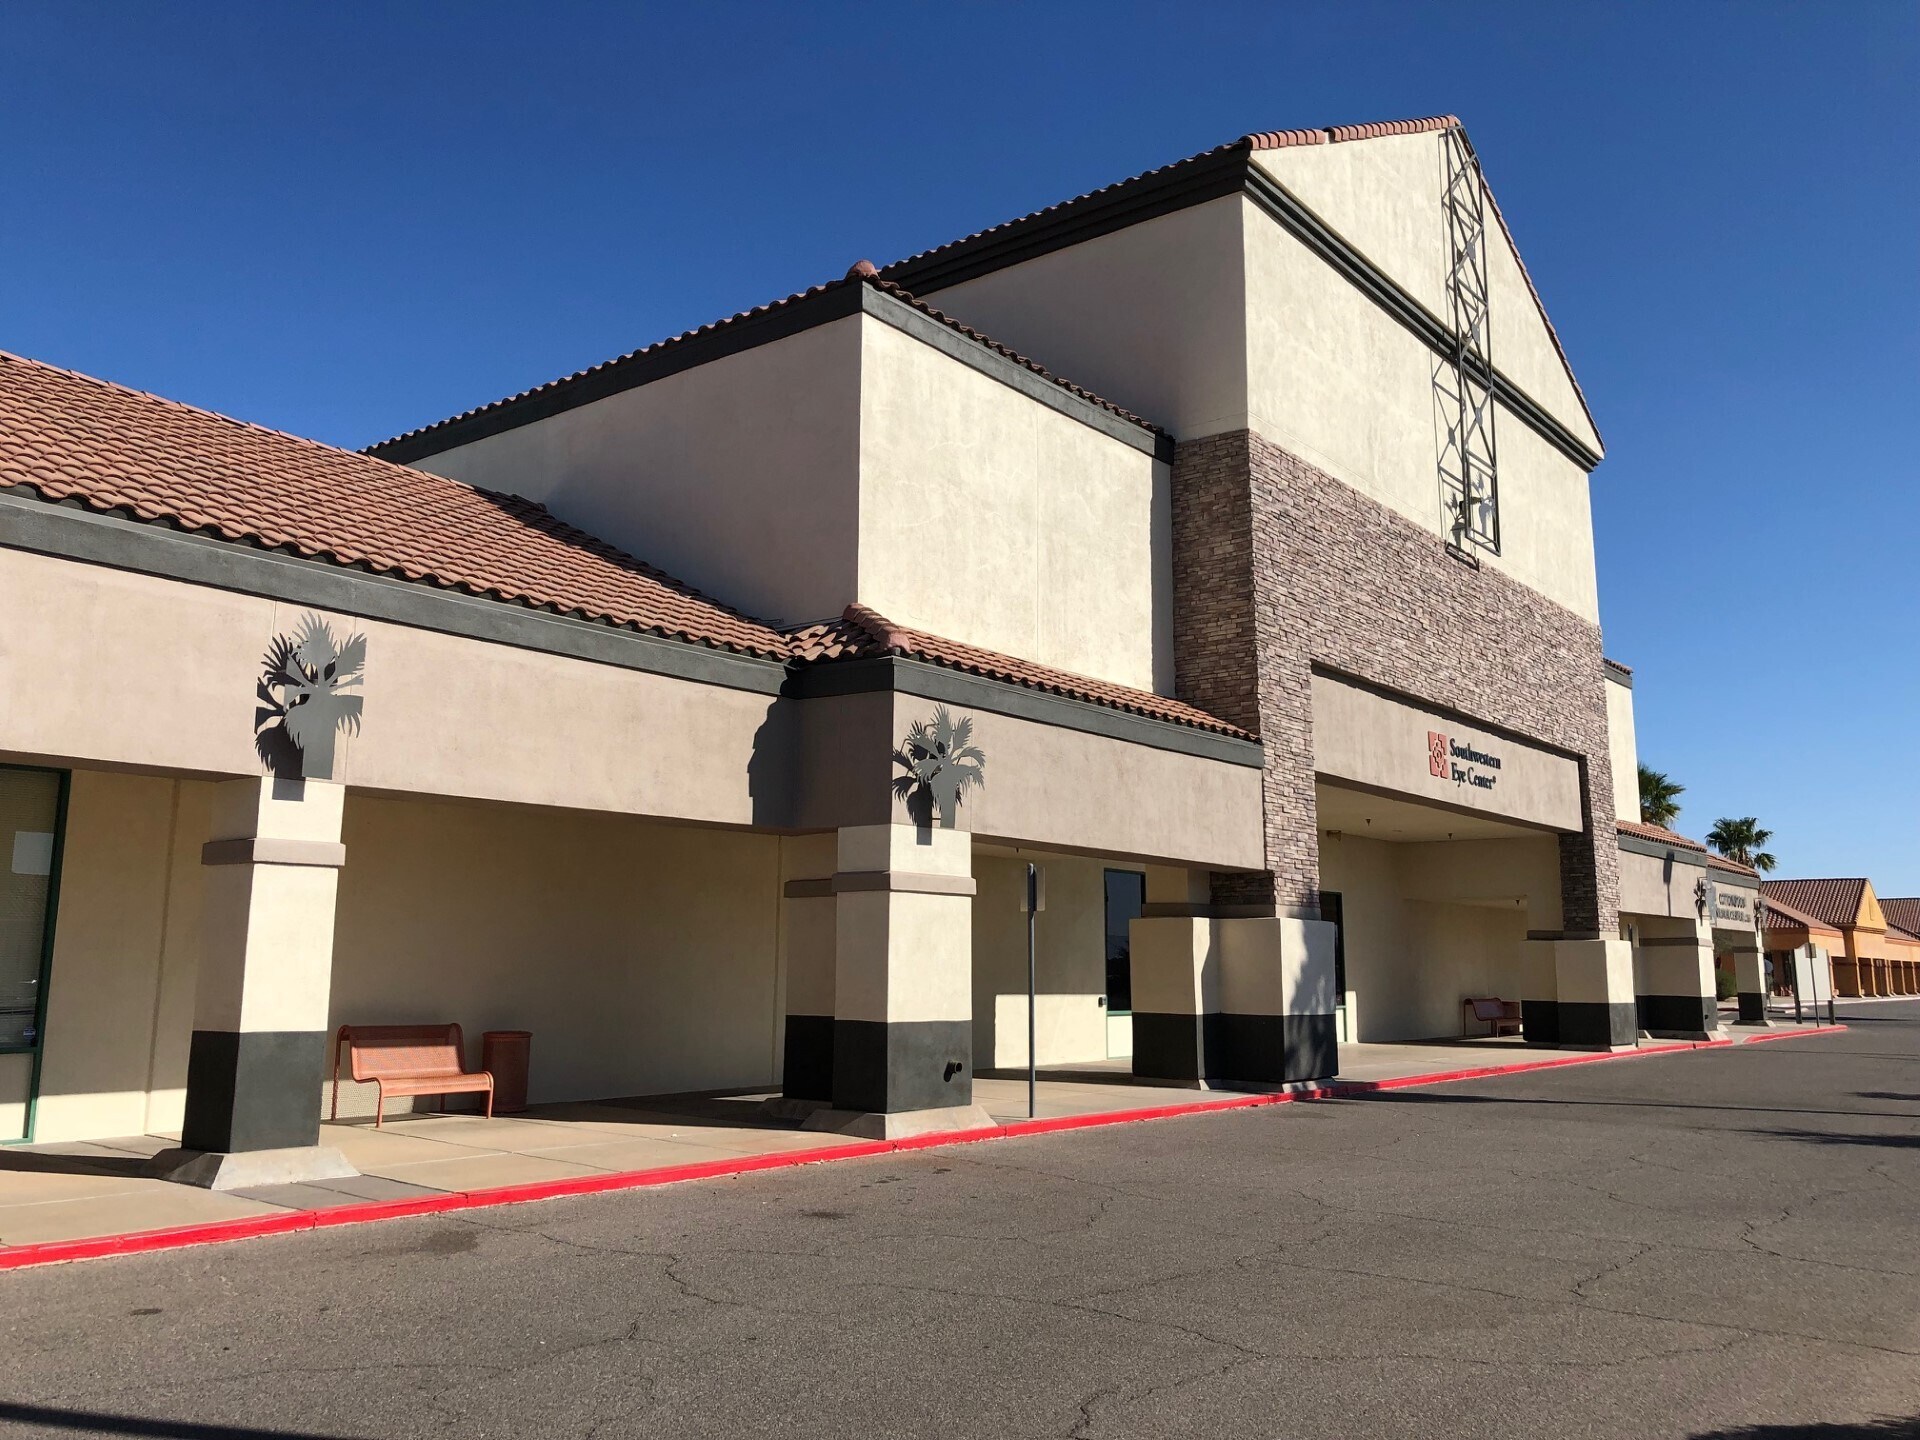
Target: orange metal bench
407	1060
1502	1016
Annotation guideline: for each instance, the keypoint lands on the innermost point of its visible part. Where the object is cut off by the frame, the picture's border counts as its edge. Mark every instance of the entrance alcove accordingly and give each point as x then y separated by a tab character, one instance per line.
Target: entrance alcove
1435	907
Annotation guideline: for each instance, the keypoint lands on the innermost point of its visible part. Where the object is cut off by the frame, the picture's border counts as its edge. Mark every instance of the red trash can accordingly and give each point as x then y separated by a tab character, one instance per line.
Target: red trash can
504	1054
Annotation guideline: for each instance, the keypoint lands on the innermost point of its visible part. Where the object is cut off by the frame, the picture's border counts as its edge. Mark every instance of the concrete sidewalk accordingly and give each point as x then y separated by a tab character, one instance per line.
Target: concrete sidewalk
96	1190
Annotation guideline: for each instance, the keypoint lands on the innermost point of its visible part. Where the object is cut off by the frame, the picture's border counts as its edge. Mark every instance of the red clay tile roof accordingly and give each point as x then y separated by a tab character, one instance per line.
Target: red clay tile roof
1780	916
66	437
1721	862
1896	932
1833	903
69	437
1904	912
861	273
1281	140
862	632
1656	833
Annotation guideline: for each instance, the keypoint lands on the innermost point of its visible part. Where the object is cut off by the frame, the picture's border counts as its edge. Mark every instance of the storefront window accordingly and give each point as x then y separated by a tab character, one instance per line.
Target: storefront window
1126	902
29	825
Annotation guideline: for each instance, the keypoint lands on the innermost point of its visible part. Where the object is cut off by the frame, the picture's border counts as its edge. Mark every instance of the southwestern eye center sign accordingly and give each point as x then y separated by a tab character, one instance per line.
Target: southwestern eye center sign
1364	737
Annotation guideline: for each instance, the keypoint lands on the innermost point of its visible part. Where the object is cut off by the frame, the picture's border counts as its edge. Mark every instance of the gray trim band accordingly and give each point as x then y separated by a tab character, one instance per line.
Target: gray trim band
1733	879
1616	672
1661	849
1677	941
955	687
902	882
892	310
70	533
267	850
808	889
67	532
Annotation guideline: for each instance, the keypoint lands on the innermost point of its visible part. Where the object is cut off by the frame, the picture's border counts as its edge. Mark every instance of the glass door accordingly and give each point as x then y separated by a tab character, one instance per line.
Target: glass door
31	806
1126	902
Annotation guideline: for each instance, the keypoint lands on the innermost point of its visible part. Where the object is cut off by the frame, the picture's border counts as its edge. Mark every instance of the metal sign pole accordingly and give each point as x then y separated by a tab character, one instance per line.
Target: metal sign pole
1033	913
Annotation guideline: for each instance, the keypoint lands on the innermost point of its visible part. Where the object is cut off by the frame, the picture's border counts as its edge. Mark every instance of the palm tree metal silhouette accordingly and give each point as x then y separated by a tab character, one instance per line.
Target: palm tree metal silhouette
942	763
304	701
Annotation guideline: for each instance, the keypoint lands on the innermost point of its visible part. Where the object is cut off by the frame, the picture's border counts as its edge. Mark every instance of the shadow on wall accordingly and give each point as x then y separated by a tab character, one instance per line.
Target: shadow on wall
1858	1430
93	1422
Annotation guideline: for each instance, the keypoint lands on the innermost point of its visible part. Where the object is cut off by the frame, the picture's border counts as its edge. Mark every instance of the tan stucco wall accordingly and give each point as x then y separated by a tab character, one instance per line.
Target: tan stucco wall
120	991
1336	380
1051	787
738	476
990	518
1412	955
1150	317
1383	196
444	715
1070	964
643	957
1653	885
1625	749
1369	740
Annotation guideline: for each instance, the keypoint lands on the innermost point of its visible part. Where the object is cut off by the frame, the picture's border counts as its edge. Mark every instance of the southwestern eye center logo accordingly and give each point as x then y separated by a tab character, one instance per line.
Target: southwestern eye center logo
1461	763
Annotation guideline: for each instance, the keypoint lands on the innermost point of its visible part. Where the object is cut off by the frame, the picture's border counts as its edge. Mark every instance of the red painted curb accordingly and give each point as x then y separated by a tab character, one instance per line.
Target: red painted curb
1793	1034
54	1252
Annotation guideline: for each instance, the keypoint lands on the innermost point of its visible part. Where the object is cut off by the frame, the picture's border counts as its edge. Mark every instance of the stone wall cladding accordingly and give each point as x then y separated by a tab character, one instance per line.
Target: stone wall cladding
1280	568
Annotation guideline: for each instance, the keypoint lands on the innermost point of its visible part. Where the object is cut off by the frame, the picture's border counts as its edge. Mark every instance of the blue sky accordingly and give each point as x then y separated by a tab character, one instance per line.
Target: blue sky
347	220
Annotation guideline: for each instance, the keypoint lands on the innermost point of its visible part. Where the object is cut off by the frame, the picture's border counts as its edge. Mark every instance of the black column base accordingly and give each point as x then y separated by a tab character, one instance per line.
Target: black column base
1597	1025
806	1069
1678	1016
1174	1047
253	1090
881	1068
1277	1049
1753	1009
1540	1022
1227	1048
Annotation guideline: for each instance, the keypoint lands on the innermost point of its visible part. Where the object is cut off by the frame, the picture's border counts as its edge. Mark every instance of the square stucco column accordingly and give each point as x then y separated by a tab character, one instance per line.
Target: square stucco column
1593	1006
1673	985
1176	997
807	907
902	983
1277	1000
1750	979
1245	999
259	1047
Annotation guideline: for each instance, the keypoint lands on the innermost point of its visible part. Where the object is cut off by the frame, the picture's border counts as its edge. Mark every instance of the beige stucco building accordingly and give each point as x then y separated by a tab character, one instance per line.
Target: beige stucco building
701	712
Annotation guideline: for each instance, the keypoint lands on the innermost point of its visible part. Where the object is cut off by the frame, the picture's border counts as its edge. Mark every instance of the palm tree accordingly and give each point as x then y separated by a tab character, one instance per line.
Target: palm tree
303	700
1659	798
1740	840
942	763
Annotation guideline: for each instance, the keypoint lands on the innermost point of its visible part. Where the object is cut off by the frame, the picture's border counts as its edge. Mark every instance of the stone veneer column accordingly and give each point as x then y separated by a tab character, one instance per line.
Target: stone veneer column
1675	991
259	1049
1278	569
903	983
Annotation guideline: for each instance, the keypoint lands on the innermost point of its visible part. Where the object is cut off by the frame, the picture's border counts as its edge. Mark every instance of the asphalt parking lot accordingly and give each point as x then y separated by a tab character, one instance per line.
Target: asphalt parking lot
1722	1243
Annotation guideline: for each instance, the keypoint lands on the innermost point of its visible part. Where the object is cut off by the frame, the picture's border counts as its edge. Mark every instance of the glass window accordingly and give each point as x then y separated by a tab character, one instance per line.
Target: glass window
29	818
1333	911
1126	902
